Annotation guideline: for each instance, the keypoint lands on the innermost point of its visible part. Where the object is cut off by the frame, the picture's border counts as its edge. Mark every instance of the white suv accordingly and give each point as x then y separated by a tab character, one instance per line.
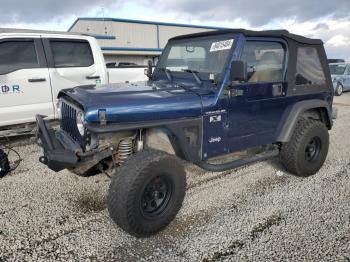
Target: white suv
36	65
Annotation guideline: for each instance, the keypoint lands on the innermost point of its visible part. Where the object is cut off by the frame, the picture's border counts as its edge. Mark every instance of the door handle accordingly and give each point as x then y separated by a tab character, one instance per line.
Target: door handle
92	77
34	80
277	90
236	92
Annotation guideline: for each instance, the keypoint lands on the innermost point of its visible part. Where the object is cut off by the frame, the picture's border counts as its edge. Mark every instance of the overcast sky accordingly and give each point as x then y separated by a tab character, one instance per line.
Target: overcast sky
325	19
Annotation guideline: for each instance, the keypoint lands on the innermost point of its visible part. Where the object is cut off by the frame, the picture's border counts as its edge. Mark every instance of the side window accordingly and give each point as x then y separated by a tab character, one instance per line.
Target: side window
309	69
348	70
71	53
16	55
265	61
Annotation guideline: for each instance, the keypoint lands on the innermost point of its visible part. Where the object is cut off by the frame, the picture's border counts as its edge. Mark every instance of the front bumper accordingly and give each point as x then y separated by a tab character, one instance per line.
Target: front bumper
60	151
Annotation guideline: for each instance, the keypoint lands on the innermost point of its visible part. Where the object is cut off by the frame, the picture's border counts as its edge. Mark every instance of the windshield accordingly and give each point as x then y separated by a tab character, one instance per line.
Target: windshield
207	55
337	69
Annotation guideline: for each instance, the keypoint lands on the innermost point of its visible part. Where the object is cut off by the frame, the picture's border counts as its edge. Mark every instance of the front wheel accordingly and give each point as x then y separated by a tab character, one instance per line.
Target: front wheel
147	192
307	150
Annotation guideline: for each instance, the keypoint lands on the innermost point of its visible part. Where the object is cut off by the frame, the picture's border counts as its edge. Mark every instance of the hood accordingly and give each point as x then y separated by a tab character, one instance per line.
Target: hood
141	101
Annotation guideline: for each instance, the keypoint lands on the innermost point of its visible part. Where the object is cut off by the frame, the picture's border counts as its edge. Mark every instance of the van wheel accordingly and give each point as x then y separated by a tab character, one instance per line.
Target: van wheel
147	192
339	90
307	150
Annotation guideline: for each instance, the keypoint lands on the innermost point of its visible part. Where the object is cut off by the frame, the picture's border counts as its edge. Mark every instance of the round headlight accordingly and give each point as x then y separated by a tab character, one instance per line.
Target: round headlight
59	109
80	122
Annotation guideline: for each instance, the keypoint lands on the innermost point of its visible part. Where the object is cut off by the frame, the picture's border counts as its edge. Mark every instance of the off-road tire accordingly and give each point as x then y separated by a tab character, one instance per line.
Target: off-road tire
129	184
293	153
4	164
339	90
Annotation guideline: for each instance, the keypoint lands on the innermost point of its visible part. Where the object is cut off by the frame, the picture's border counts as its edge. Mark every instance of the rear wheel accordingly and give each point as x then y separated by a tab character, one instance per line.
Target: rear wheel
339	90
147	192
307	150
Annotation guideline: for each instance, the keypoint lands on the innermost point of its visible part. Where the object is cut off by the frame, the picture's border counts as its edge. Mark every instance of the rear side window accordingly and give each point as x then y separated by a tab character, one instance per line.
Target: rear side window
265	61
309	69
71	53
16	55
337	69
348	70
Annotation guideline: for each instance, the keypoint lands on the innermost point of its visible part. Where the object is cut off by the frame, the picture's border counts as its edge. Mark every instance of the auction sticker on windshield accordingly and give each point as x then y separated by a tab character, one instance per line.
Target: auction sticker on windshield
222	45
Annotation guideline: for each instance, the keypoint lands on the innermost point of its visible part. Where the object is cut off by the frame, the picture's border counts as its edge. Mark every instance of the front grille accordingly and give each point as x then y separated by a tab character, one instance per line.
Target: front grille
69	122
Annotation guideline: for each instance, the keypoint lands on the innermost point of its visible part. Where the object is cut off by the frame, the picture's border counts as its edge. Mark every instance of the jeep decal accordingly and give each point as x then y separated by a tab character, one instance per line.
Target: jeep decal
215	140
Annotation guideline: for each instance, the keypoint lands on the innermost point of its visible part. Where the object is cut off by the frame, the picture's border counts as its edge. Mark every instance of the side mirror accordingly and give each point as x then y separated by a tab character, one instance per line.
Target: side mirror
149	69
238	71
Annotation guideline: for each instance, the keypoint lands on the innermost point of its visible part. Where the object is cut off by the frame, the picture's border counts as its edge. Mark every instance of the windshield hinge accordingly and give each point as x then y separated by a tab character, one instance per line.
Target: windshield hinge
102	117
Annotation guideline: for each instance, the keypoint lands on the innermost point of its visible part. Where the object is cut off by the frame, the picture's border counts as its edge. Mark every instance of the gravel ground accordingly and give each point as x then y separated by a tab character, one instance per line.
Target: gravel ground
254	213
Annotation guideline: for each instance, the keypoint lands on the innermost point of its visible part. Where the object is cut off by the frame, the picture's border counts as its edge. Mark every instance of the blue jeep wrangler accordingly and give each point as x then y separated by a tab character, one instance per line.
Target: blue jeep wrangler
212	94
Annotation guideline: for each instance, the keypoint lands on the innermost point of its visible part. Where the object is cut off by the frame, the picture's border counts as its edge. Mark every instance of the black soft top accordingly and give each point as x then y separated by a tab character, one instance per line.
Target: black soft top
267	33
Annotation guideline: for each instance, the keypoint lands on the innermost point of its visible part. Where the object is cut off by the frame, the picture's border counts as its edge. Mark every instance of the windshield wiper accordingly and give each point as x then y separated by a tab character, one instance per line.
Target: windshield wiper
195	75
167	73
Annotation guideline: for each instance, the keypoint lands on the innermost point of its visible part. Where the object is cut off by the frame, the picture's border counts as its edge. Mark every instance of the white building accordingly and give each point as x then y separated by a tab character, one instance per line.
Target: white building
133	41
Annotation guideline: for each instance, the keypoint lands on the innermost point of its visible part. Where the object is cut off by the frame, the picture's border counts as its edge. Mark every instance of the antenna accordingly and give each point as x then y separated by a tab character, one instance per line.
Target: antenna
103	19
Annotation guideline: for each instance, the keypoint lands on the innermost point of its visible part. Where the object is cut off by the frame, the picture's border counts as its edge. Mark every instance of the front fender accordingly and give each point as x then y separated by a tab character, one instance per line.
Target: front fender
184	134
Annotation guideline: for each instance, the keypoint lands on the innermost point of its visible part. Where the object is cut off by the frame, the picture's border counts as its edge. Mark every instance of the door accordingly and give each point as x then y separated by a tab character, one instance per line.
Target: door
347	78
24	81
71	64
256	107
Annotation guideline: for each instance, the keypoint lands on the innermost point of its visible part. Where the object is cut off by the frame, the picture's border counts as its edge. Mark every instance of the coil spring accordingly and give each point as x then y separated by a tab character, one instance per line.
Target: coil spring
125	150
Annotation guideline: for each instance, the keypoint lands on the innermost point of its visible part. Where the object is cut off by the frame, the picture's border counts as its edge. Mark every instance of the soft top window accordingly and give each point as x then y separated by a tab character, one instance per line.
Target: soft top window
309	69
265	61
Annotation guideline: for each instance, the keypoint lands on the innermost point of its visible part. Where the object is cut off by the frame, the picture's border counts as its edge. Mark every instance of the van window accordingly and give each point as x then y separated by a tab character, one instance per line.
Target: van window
348	70
309	68
71	53
265	61
16	55
337	69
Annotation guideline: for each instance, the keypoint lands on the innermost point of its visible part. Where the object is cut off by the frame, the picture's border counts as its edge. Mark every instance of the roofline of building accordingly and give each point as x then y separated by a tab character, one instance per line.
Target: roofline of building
142	22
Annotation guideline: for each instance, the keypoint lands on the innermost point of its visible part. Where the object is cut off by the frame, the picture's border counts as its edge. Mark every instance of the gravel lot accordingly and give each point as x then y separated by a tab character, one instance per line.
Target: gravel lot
255	213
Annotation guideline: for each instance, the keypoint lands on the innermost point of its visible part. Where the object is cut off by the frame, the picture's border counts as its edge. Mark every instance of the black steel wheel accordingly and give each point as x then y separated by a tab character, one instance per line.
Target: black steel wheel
313	149
156	196
147	192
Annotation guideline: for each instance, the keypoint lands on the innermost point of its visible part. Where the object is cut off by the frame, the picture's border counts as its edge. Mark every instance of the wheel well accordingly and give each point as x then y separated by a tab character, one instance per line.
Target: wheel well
160	138
319	114
182	140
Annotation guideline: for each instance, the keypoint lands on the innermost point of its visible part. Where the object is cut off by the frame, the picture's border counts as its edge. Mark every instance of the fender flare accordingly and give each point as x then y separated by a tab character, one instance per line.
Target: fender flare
186	139
293	113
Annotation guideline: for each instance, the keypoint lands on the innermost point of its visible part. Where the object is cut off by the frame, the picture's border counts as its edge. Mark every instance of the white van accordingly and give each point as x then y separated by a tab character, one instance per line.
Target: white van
36	65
